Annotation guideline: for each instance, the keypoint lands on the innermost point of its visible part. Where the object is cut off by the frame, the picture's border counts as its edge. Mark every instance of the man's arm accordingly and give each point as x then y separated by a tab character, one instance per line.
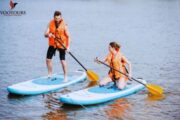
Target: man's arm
47	33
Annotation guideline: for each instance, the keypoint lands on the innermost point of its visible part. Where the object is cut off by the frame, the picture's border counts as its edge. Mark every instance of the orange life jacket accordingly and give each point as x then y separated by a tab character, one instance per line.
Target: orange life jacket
60	32
117	63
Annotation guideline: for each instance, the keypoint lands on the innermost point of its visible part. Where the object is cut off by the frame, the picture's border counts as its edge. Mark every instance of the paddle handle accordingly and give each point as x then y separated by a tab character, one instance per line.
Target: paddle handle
58	39
131	78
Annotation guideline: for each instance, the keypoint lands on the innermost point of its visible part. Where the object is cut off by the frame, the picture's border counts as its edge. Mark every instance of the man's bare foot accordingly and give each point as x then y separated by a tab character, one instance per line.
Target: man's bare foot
65	79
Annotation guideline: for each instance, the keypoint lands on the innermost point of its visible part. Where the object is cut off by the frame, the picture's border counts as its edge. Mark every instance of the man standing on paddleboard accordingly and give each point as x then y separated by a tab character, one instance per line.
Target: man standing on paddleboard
59	39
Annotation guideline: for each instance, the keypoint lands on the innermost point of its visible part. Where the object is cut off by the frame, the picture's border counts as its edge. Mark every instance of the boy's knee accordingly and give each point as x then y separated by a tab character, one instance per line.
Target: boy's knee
121	86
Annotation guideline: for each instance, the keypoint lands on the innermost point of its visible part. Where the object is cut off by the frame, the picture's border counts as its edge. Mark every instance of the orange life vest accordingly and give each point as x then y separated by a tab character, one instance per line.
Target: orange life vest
60	32
117	63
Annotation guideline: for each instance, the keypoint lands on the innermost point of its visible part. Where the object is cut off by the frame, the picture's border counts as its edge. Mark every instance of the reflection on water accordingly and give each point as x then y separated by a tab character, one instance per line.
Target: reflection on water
55	115
151	97
14	96
118	110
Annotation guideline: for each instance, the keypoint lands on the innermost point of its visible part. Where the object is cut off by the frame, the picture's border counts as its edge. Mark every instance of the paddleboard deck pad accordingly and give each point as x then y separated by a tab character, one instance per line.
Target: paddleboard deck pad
46	84
97	94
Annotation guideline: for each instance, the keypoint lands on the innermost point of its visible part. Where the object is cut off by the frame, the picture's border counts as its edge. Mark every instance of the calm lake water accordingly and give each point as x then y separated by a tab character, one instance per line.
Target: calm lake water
148	30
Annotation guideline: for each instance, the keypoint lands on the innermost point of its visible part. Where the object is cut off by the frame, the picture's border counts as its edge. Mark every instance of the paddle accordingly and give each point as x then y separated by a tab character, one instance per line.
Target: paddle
152	88
91	75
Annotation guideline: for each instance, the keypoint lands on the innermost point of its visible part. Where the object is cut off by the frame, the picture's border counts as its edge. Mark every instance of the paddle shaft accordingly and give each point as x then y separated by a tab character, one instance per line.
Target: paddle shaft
131	78
59	41
126	69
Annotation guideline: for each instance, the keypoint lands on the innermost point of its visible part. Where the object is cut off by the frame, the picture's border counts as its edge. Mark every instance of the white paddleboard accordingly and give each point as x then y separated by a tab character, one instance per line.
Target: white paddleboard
45	84
97	94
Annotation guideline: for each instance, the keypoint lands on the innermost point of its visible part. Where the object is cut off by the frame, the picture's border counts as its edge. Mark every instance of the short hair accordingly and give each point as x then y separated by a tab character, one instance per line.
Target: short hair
57	13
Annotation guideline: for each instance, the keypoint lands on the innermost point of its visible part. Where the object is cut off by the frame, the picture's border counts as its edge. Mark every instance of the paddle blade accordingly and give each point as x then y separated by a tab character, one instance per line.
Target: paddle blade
154	89
92	75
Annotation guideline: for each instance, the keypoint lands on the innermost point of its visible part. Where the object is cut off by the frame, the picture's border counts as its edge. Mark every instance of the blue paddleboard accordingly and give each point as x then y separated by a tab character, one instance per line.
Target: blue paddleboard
45	84
96	95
